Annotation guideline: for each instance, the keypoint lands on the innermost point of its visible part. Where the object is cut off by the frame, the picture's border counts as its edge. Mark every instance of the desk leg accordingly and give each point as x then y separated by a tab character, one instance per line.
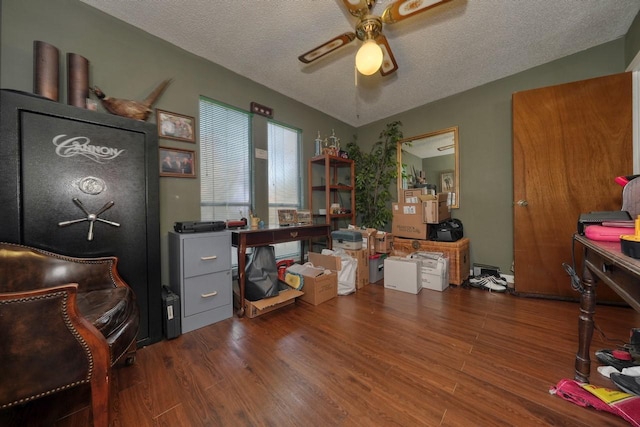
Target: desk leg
585	326
242	260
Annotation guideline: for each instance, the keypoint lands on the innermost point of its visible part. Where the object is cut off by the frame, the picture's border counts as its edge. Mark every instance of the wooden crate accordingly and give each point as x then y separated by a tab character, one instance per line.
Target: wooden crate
458	253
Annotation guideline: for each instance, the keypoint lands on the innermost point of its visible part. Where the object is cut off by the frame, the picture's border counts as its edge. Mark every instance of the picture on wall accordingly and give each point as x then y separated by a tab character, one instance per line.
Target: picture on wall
447	183
175	126
177	163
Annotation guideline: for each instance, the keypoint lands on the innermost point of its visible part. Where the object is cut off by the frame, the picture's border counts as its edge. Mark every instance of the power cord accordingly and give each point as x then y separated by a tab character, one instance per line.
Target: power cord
576	282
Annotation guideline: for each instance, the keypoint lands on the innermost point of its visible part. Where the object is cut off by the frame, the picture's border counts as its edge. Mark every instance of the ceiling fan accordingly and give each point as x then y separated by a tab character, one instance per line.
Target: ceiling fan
375	53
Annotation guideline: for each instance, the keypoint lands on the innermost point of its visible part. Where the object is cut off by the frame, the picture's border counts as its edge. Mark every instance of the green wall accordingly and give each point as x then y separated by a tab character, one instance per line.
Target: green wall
126	62
483	115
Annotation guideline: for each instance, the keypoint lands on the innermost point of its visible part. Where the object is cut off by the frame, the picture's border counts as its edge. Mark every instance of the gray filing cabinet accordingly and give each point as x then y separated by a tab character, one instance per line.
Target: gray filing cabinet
200	273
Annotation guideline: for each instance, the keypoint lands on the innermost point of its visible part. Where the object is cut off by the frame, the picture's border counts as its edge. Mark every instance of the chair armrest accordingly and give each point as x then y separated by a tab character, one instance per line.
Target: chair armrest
47	346
25	268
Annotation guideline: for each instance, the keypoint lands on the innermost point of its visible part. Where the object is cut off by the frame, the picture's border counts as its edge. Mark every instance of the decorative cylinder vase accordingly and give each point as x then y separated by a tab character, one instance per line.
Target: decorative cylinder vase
77	80
46	70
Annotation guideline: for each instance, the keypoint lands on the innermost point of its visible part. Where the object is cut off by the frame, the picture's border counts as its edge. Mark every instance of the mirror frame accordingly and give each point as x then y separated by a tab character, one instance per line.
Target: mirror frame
456	153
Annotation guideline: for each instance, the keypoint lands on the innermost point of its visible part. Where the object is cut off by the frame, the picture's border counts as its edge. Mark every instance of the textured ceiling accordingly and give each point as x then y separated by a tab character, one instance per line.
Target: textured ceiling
443	51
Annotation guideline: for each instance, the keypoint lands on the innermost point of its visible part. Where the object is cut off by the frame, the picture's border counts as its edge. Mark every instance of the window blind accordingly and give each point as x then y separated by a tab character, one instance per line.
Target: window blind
225	143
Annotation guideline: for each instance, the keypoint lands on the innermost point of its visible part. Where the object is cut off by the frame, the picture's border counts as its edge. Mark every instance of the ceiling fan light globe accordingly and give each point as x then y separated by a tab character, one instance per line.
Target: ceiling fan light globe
369	58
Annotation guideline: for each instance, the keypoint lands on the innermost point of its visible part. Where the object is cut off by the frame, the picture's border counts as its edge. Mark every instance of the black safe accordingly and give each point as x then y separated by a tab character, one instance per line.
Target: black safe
84	183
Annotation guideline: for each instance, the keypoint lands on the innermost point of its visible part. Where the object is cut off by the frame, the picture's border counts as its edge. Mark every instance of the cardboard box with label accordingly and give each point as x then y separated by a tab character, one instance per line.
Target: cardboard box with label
414	195
436	211
402	274
407	221
319	286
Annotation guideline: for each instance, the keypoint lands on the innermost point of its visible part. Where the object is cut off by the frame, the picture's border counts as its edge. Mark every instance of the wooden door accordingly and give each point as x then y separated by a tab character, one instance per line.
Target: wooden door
569	143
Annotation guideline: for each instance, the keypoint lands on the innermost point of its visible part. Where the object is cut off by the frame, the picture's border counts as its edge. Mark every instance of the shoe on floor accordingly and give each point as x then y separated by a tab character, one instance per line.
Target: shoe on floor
485	282
606	371
633	371
626	383
606	357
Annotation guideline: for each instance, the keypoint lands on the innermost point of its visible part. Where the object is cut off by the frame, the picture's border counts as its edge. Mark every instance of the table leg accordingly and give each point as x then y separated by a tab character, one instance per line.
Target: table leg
585	325
242	260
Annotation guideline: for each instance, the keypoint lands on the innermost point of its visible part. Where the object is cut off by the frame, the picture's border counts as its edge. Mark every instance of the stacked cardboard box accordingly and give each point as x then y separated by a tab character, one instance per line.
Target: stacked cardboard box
411	220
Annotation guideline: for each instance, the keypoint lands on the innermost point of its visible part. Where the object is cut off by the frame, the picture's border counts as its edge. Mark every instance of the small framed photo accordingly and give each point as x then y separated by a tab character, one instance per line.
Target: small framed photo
447	183
177	163
304	216
287	217
175	126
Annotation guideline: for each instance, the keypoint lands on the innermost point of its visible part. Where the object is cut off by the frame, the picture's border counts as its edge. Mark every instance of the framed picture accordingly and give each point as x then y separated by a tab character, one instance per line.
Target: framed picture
447	183
287	217
303	216
177	163
175	126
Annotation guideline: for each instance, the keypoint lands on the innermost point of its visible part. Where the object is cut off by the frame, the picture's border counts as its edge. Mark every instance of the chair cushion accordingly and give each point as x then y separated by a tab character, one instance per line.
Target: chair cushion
107	309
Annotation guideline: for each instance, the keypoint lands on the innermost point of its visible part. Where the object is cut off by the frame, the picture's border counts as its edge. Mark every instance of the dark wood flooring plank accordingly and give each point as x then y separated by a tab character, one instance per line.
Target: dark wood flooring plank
375	358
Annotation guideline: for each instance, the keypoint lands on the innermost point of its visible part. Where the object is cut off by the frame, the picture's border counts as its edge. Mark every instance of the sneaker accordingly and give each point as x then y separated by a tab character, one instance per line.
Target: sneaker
498	280
485	282
606	357
626	383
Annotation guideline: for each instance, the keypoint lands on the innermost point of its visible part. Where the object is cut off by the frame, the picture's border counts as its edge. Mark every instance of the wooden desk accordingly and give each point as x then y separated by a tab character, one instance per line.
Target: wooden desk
602	261
249	238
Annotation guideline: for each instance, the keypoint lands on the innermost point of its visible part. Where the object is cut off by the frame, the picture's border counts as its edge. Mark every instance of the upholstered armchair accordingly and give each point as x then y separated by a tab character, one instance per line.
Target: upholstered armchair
64	322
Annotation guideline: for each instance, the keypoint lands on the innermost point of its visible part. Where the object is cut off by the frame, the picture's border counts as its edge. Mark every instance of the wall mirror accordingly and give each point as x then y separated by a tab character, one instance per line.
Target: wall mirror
428	159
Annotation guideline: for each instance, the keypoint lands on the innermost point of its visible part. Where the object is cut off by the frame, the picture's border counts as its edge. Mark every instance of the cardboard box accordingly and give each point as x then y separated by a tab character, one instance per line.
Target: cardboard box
362	272
258	308
368	237
407	221
441	197
318	286
435	211
413	195
383	242
402	274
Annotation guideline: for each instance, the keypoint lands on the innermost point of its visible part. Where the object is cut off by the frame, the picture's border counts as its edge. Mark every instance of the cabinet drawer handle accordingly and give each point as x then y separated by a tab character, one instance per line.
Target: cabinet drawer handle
294	234
208	258
212	294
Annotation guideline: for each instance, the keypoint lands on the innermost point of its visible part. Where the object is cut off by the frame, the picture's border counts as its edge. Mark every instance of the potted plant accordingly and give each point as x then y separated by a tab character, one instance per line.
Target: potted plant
375	172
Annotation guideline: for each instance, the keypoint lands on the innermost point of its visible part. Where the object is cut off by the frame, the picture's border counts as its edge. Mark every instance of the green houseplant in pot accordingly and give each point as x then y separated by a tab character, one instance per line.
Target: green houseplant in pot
376	171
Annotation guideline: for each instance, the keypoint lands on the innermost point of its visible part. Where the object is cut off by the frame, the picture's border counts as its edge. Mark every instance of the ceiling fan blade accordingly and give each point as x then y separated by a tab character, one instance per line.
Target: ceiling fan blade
403	9
327	47
389	64
359	8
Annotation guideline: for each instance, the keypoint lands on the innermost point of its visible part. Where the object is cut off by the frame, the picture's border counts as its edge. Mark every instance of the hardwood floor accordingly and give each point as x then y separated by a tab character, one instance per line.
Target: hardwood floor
463	357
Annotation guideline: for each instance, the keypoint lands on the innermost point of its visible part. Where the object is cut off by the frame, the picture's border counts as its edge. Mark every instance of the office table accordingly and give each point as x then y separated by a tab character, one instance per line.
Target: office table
249	238
602	261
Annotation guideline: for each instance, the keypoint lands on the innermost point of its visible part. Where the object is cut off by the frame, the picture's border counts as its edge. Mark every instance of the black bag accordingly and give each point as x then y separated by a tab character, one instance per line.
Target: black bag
261	274
449	230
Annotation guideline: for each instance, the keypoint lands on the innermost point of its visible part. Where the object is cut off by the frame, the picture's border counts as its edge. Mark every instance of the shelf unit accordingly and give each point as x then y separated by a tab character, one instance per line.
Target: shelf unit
332	180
